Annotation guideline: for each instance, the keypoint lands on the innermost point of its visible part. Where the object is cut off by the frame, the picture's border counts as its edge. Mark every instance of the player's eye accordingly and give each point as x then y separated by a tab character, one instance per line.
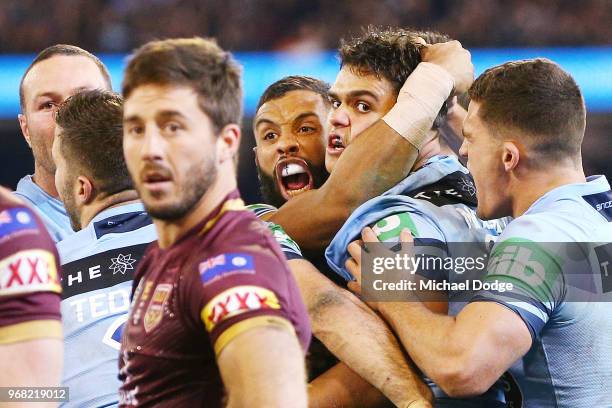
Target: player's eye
135	130
363	107
334	103
306	129
172	127
48	105
269	136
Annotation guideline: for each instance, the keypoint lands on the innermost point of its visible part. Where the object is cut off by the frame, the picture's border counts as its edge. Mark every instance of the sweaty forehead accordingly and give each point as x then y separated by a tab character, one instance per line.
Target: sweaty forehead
290	106
62	75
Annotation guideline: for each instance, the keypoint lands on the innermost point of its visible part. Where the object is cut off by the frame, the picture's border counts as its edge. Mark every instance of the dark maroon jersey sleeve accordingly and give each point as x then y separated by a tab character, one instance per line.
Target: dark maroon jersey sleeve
242	287
29	268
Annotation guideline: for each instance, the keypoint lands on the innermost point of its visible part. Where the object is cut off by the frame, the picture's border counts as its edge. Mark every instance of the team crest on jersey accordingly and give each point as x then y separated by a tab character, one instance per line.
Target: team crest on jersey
223	265
29	271
155	310
235	301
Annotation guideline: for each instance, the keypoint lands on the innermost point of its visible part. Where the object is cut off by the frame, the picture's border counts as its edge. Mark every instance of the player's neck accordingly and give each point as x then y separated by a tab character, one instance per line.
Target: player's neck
535	184
89	212
45	180
429	150
171	231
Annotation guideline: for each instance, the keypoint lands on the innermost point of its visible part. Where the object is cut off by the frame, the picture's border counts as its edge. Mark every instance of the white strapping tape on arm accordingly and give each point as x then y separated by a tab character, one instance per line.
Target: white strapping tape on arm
419	102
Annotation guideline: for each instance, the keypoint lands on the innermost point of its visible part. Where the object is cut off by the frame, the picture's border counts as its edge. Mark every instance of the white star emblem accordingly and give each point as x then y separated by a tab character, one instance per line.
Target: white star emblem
467	186
122	263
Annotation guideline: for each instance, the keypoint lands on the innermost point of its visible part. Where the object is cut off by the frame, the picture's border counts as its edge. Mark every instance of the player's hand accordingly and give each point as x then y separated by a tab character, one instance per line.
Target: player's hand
455	59
353	265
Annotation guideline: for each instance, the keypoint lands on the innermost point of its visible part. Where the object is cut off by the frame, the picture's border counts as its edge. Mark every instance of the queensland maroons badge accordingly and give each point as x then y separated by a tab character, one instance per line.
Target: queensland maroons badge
155	311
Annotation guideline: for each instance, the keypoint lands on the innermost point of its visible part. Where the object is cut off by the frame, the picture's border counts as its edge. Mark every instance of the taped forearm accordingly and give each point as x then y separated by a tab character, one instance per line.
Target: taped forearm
419	102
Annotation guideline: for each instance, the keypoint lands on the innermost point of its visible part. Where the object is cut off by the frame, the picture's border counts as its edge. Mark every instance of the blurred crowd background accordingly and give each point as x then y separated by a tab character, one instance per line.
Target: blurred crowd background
297	26
121	25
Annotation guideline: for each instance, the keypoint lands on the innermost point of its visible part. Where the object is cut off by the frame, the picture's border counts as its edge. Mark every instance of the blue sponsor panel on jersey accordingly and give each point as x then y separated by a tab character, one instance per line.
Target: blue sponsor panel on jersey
602	203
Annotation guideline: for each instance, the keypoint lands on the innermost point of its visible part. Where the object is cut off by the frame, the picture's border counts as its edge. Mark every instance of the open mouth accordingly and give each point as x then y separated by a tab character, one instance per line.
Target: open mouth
293	177
335	146
156	180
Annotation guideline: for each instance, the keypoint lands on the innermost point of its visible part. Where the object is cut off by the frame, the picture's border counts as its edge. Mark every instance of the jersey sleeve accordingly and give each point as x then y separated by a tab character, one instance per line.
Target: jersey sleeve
241	289
528	276
290	248
29	278
261	209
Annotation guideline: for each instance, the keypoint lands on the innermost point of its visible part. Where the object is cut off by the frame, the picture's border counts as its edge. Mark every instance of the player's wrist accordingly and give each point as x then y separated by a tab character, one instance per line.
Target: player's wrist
419	101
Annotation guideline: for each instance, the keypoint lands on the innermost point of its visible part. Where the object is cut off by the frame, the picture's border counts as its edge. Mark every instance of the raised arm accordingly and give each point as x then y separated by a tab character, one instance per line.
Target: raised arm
384	154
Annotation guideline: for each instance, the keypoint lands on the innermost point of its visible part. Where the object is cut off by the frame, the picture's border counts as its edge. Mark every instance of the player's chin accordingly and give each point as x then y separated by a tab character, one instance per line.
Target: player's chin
157	198
165	209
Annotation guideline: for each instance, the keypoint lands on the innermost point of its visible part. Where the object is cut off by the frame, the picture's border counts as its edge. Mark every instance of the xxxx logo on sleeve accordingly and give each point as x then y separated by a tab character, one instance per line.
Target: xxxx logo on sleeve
235	301
29	271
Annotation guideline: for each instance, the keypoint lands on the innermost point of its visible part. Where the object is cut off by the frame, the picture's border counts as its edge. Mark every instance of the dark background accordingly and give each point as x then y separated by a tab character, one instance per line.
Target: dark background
118	26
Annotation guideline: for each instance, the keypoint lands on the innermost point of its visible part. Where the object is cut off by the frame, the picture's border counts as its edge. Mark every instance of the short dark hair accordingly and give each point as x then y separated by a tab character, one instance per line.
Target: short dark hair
91	124
194	62
294	83
390	53
537	98
62	50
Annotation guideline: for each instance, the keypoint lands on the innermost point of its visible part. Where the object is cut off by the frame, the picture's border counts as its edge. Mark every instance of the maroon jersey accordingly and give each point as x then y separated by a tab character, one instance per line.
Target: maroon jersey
224	277
29	283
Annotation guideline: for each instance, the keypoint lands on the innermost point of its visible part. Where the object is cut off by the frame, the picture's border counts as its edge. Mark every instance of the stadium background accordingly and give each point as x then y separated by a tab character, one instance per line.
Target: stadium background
273	38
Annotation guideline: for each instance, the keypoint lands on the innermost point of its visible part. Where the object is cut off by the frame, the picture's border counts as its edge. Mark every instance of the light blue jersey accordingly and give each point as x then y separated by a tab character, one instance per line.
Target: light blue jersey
570	361
51	210
98	265
438	204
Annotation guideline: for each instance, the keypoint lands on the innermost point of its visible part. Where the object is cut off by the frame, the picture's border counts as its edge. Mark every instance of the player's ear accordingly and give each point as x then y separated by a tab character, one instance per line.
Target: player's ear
228	142
23	124
510	155
85	190
256	158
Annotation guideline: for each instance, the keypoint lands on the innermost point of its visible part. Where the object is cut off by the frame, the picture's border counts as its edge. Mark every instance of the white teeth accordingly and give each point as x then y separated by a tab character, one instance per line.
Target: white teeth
292	168
296	192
